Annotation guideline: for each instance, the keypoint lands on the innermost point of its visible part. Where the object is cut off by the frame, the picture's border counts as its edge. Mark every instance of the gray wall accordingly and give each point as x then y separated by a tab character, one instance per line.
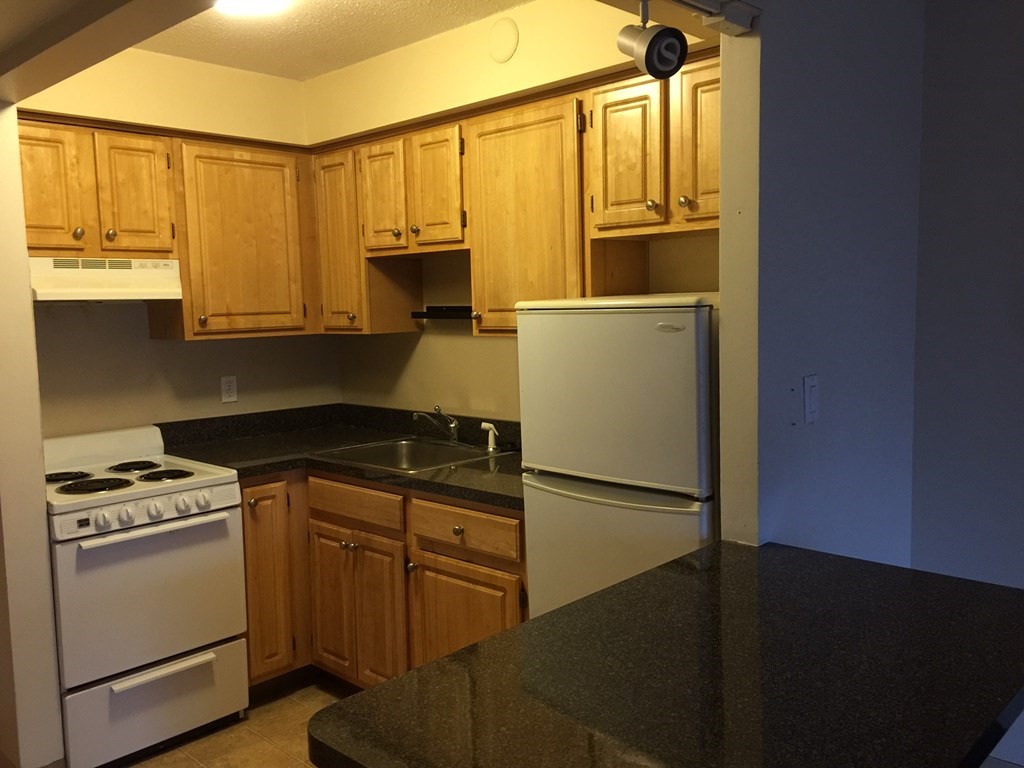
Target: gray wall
840	149
968	516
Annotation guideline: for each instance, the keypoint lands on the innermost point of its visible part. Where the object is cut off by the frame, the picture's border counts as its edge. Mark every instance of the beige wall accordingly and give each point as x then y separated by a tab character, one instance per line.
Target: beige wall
558	40
98	369
30	730
147	88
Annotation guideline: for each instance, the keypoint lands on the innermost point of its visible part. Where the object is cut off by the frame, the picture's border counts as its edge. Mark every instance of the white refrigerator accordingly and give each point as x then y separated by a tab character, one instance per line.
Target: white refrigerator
616	409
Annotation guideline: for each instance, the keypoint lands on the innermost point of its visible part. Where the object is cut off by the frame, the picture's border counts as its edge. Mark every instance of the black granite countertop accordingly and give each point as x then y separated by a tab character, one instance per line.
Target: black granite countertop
496	481
731	657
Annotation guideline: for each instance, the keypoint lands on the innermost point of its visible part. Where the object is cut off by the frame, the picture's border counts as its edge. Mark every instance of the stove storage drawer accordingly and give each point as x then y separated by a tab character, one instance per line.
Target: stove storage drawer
133	597
135	711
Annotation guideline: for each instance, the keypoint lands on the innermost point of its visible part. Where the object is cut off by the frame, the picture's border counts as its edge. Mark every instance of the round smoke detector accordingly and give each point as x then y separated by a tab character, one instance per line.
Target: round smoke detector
504	40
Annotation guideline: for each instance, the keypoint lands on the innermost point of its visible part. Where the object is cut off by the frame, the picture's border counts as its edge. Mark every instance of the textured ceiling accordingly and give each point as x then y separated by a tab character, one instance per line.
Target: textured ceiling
317	36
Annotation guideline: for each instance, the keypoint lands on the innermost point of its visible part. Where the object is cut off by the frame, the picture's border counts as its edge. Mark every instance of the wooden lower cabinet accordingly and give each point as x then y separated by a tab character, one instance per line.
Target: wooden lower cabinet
453	604
272	522
358	603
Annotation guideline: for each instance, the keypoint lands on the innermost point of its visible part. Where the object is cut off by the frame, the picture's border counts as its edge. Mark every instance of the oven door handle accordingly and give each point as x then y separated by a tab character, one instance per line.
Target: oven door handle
152	530
165	671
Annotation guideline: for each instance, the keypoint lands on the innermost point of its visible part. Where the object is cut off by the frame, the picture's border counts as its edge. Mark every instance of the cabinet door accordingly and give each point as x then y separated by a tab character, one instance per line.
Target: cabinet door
628	155
268	587
453	604
58	188
333	599
523	197
135	192
435	186
245	269
382	194
341	261
380	608
698	151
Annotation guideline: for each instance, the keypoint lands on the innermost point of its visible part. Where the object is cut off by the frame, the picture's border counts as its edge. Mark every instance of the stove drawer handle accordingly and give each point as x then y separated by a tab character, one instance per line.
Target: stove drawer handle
165	671
152	530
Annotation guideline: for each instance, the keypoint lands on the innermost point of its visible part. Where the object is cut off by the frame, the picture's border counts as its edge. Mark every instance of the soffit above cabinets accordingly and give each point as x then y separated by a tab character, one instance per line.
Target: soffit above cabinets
317	36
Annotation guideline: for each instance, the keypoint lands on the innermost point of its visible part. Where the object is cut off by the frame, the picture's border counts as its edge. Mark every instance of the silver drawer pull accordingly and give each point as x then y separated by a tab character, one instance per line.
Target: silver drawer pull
458	530
165	671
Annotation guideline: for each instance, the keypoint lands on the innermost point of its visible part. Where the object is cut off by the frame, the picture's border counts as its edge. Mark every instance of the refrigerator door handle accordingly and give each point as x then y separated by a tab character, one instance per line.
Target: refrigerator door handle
610	495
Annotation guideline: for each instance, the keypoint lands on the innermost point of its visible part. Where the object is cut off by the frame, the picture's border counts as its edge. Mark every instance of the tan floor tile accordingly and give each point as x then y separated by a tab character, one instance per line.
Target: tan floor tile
262	755
291	736
314	697
223	742
173	759
281	710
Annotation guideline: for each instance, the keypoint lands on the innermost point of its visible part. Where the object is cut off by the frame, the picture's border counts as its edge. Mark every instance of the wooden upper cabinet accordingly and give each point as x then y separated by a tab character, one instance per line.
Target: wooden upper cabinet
382	194
269	594
523	198
136	189
59	188
245	265
435	186
410	191
698	151
628	154
97	193
653	154
341	261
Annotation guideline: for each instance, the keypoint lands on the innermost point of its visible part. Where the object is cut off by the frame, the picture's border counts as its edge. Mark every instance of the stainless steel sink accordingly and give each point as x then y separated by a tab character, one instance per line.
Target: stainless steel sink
412	454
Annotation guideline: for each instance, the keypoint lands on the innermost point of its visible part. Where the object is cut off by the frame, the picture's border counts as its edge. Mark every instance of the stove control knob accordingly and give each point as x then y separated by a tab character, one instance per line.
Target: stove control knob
155	510
126	516
203	500
183	505
101	521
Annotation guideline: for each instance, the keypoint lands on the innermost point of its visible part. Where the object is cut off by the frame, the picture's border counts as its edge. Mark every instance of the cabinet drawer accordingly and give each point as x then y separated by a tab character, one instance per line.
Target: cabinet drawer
473	531
376	507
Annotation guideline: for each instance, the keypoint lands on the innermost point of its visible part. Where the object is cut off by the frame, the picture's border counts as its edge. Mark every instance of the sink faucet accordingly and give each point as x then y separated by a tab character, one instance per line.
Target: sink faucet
442	421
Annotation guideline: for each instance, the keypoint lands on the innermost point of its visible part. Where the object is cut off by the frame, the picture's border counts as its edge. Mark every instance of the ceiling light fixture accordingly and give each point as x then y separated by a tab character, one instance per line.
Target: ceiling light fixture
252	7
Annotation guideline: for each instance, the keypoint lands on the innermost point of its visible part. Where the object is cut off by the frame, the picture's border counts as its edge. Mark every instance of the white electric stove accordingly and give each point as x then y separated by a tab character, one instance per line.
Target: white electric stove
149	591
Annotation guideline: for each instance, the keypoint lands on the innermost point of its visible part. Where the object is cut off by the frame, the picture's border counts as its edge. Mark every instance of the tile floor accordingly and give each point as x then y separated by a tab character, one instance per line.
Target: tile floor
272	736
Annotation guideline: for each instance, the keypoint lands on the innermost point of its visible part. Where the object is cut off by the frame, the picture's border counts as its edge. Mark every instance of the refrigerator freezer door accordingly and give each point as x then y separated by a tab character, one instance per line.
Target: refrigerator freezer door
583	536
618	395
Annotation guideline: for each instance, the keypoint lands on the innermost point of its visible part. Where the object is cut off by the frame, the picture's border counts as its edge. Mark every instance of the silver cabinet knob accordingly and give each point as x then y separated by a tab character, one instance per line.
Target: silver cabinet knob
111	235
351	316
203	320
414	229
410	567
396	232
476	315
684	201
253	503
651	205
78	233
352	546
458	530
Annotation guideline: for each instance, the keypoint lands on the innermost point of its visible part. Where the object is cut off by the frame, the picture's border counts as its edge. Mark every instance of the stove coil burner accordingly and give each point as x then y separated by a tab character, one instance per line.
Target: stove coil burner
95	485
133	466
67	477
165	474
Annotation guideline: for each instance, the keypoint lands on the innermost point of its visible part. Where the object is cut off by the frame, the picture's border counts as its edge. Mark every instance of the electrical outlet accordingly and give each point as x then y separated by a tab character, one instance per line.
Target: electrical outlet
228	389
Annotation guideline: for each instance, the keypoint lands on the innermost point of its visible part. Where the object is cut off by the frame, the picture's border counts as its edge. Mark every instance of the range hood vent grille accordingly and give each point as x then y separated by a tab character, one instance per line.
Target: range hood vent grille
70	279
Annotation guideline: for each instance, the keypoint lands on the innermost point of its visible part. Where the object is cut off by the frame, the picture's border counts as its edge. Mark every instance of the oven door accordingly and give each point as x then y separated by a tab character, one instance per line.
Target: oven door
133	597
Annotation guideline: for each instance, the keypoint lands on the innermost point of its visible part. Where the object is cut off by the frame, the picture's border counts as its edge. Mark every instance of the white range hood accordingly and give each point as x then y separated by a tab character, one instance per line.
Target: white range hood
71	279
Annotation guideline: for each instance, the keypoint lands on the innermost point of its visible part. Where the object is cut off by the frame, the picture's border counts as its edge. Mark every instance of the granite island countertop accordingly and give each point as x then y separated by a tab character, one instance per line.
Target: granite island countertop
730	657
